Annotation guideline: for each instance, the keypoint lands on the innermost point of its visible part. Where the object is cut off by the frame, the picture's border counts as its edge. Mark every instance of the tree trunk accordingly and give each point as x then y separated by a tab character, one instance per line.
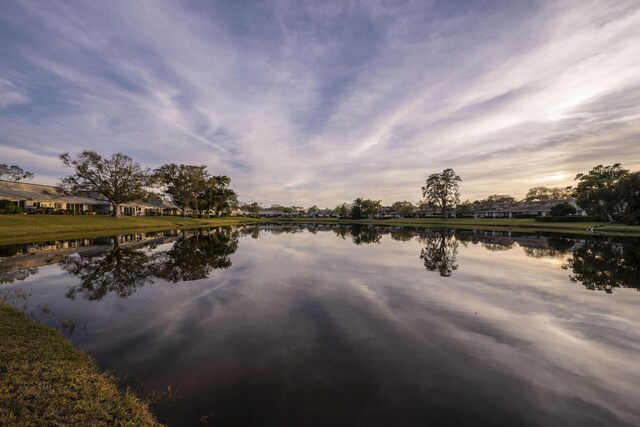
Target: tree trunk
116	210
444	211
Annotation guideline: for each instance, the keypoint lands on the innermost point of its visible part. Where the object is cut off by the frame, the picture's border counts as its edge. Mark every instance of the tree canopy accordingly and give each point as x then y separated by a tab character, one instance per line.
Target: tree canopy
13	172
118	179
218	196
562	209
549	193
403	208
597	190
183	183
441	190
498	198
629	196
364	208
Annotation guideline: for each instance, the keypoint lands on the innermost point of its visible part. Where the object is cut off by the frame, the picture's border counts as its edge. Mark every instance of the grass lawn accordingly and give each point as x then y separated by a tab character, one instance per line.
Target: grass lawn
45	381
34	228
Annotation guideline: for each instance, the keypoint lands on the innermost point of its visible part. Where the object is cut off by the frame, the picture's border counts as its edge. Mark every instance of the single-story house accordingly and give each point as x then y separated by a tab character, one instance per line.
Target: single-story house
533	208
42	198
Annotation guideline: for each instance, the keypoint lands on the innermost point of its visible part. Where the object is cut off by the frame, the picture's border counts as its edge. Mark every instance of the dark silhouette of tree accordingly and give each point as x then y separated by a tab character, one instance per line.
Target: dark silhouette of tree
605	264
194	257
118	179
597	191
365	235
560	244
549	193
629	196
402	235
365	208
498	244
441	190
439	253
562	209
558	247
498	198
13	172
122	271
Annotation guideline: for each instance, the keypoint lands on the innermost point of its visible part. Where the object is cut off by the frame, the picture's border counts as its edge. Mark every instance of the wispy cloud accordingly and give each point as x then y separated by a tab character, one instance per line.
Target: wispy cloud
322	102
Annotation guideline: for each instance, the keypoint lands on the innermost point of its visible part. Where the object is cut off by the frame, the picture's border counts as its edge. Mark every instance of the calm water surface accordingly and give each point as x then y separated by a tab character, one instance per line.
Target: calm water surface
304	326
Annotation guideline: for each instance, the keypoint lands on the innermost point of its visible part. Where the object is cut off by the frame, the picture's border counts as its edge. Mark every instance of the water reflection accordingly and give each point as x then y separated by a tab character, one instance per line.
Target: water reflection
8	275
333	325
598	263
604	264
440	253
194	257
122	271
126	269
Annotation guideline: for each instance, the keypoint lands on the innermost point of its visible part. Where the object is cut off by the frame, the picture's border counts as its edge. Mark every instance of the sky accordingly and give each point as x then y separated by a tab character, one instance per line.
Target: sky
321	102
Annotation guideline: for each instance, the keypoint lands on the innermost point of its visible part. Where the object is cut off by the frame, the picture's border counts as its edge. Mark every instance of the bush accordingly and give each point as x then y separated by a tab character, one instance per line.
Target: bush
632	219
9	207
525	216
562	209
568	219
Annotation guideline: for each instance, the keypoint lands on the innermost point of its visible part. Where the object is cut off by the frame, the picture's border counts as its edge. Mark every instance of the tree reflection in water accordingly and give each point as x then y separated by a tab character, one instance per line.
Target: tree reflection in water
439	253
606	264
365	235
8	275
193	258
557	247
124	270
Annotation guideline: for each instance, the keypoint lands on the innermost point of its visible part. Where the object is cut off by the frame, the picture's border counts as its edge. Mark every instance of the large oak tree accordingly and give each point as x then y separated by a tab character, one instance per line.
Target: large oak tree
441	190
118	179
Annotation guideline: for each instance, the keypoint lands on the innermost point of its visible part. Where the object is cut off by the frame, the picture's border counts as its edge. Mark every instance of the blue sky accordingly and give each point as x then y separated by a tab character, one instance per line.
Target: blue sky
320	102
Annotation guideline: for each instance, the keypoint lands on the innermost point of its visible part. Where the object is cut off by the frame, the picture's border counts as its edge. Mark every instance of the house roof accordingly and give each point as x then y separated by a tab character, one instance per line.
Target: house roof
525	206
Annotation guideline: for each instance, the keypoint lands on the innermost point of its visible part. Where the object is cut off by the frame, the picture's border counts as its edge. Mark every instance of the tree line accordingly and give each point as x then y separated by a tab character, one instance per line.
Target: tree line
609	192
120	179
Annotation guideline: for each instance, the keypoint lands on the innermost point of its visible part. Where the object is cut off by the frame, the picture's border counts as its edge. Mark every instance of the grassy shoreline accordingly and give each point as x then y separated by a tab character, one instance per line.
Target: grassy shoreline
45	380
524	225
36	228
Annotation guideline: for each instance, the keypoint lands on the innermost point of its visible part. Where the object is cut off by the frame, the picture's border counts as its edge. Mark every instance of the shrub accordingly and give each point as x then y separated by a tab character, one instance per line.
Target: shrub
9	207
632	219
562	209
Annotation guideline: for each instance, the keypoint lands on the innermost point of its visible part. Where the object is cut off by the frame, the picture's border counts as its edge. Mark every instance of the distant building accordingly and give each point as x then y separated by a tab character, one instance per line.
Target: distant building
529	208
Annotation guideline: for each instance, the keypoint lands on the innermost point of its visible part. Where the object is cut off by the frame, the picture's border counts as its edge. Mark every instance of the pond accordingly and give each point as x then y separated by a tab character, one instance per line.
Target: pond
307	325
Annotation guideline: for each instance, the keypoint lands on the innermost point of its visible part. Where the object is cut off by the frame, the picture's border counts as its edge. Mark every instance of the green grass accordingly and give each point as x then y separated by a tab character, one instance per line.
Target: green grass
35	228
45	381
